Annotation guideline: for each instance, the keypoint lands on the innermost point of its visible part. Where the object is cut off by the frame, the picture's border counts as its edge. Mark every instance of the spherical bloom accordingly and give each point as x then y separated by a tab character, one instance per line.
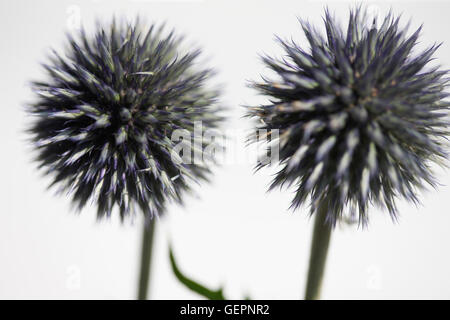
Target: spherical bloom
104	117
360	115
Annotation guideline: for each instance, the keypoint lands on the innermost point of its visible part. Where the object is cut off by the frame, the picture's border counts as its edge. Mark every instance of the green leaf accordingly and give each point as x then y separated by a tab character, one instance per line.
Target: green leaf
192	285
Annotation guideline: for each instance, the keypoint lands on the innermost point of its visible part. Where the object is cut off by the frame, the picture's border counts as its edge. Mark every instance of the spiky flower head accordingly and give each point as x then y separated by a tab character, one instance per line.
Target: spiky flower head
360	115
104	117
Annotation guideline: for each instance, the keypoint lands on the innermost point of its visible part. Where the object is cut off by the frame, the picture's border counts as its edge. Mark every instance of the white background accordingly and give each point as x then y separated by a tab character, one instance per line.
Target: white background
234	234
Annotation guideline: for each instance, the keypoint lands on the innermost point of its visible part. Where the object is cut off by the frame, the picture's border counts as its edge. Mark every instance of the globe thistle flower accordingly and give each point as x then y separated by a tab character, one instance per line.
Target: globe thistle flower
360	116
104	117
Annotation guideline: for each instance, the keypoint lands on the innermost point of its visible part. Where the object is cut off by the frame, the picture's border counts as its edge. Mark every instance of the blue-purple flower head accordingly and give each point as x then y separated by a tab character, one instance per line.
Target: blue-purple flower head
104	116
360	112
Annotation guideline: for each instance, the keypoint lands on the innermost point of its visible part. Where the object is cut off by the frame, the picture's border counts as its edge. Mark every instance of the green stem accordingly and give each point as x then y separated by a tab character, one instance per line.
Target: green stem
146	257
319	249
